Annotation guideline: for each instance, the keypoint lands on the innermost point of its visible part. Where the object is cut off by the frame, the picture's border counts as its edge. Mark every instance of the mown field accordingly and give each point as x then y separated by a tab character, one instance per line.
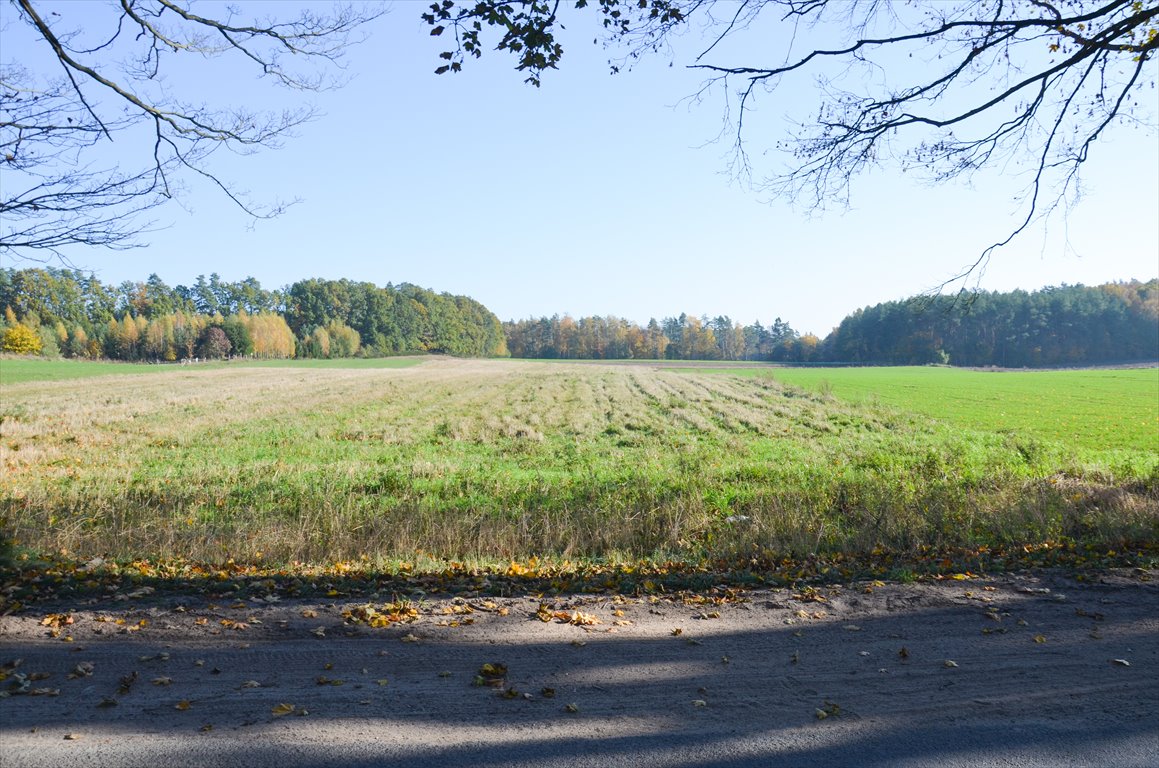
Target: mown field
496	461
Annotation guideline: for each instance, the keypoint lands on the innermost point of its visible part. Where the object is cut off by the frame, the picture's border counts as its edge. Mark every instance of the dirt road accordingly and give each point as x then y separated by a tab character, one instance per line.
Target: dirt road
1029	670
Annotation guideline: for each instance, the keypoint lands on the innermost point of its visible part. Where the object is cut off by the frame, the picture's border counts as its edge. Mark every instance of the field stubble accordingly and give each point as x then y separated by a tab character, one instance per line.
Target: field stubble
502	460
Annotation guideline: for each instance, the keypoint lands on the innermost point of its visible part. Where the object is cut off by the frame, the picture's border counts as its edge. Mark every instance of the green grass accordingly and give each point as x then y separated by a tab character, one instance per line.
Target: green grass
506	460
1095	410
16	370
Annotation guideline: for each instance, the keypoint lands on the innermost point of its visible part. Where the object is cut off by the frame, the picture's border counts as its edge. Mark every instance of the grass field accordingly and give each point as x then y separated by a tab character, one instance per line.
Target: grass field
1096	410
15	370
502	460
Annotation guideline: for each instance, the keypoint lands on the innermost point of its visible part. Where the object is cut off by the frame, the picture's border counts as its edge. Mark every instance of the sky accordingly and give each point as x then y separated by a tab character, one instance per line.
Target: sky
601	194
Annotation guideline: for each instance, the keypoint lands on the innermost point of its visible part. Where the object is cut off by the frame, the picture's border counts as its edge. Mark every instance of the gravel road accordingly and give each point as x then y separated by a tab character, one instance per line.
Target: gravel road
1024	670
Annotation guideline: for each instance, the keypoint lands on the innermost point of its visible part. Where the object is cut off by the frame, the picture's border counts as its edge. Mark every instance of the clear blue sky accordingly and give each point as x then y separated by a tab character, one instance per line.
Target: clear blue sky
601	194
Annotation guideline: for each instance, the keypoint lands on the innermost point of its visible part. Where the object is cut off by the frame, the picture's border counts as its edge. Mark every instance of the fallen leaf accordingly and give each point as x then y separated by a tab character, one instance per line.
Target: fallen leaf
851	628
409	638
282	709
84	669
829	709
318	631
571	708
949	663
1121	662
250	684
162	681
182	705
577	618
699	703
1040	639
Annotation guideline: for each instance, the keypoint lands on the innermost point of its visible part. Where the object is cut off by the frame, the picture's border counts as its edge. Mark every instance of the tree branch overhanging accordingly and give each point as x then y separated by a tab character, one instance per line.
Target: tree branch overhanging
945	89
110	90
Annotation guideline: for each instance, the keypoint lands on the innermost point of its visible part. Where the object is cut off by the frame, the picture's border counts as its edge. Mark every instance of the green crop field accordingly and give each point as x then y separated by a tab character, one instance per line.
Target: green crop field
1096	410
502	460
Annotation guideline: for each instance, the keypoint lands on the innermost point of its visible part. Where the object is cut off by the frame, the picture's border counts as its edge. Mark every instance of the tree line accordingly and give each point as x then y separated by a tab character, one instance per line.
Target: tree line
1056	326
674	338
66	312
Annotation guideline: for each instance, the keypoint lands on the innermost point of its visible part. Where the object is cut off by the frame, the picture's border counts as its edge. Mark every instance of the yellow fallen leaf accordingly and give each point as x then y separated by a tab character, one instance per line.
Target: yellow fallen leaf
577	618
182	705
282	709
1040	638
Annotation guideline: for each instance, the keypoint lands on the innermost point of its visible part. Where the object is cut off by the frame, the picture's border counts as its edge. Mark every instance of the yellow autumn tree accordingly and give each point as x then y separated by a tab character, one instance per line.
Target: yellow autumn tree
21	340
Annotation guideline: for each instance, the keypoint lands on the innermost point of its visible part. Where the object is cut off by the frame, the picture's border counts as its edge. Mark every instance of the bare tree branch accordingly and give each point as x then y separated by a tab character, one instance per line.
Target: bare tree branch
54	194
942	89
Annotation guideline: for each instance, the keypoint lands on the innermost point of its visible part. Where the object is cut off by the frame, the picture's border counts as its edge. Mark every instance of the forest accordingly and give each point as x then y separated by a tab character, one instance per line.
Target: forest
1062	326
52	312
66	312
